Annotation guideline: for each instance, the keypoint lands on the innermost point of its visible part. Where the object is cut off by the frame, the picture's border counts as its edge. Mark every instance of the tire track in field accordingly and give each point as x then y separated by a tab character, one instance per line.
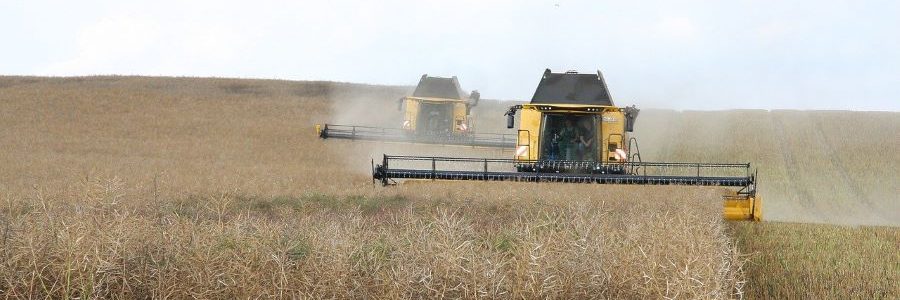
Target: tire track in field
670	131
852	185
790	165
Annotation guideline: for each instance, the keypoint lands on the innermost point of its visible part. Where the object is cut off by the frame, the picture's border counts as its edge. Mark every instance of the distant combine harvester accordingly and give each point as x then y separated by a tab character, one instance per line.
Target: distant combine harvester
438	112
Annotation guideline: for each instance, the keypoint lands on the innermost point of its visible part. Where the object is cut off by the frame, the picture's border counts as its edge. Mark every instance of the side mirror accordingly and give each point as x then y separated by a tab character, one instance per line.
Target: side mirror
631	114
400	104
511	116
473	101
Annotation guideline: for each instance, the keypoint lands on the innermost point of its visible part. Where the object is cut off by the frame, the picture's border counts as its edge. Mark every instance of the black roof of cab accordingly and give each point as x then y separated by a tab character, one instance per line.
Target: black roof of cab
572	88
438	87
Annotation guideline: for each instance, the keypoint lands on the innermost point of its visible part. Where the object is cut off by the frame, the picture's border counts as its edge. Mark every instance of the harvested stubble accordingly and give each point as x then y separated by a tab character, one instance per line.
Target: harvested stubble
807	261
104	239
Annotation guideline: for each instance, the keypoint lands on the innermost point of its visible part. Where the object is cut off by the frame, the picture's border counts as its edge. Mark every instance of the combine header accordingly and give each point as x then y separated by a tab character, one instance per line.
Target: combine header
572	132
436	113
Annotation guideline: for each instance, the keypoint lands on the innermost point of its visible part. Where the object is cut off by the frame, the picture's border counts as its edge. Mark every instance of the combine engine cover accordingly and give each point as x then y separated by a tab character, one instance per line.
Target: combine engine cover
438	87
572	88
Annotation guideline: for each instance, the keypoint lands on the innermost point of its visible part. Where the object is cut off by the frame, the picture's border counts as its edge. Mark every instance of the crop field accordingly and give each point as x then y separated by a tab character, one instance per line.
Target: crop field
133	187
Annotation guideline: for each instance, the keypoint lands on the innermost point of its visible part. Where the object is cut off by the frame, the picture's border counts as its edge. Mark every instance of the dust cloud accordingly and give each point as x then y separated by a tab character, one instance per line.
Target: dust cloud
813	166
375	106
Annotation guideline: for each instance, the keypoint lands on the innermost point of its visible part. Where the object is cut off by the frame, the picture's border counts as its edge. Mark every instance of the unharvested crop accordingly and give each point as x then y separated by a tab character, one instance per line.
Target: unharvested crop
104	239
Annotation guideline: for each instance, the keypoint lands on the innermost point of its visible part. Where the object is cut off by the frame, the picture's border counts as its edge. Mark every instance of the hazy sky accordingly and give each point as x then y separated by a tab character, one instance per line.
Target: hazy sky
667	54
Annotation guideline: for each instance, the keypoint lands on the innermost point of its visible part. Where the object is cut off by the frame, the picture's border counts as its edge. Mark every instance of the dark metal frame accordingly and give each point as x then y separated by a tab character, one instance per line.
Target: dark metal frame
571	171
353	132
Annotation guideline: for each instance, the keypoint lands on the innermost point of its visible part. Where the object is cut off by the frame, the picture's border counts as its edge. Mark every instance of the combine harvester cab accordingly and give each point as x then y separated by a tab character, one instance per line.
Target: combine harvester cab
572	132
436	113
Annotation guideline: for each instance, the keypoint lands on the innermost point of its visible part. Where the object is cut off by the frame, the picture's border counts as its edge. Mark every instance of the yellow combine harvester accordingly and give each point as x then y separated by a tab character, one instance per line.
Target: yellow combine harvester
571	131
436	113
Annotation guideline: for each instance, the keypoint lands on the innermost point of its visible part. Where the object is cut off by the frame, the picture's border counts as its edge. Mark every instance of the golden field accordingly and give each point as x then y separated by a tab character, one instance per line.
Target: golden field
819	261
130	187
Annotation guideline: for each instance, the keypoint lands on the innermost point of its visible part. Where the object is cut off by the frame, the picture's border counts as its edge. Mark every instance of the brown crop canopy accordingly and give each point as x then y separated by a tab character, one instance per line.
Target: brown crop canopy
572	88
439	87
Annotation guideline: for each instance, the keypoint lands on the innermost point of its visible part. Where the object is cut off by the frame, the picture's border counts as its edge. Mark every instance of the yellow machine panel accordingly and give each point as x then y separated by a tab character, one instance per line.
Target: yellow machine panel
613	135
411	114
529	134
742	207
461	117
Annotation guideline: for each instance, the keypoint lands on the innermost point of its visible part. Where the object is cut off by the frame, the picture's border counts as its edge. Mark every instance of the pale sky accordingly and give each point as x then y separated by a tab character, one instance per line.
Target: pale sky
659	54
